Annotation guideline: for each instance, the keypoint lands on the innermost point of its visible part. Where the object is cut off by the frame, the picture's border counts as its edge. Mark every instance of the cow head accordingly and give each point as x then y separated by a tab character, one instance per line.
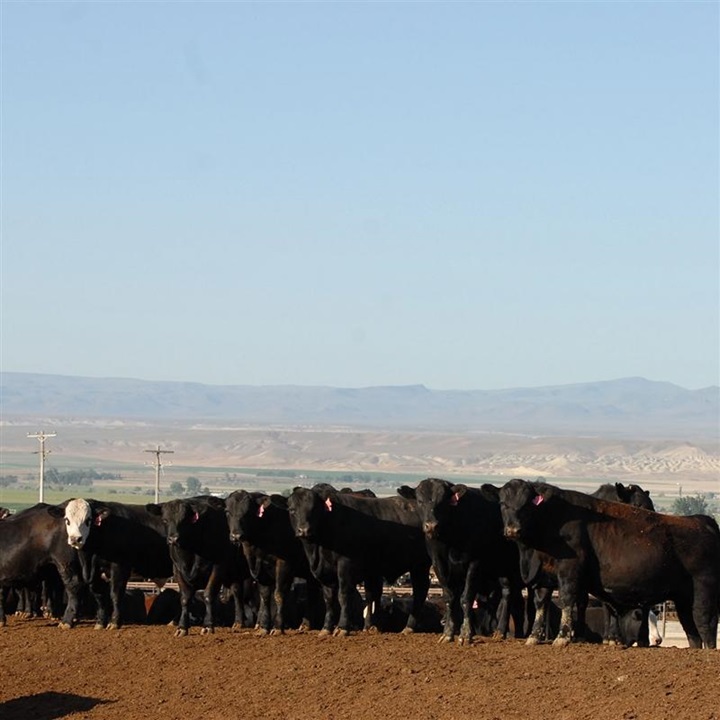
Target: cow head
80	517
521	503
634	495
436	501
245	511
180	517
306	509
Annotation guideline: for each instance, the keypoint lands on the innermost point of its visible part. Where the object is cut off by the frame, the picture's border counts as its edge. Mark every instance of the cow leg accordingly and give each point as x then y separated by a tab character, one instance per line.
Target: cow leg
3	619
345	590
312	603
420	578
283	582
568	601
503	609
611	626
119	576
210	594
542	596
187	591
451	598
685	616
643	638
470	591
73	584
330	597
101	595
263	619
373	598
579	632
237	593
706	600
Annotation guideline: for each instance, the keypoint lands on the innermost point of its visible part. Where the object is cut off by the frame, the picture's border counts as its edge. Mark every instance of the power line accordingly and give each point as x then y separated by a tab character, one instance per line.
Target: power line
42	436
157	452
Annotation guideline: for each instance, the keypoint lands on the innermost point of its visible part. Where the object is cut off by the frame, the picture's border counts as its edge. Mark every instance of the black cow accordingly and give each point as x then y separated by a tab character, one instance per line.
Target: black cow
625	556
203	556
30	541
464	535
373	538
540	574
115	539
260	523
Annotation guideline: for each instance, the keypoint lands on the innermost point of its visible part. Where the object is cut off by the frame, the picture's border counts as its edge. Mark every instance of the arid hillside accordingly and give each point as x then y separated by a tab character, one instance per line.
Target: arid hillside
691	463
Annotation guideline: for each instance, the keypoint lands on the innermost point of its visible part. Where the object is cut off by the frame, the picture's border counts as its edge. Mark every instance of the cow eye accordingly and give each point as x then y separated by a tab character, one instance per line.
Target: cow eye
67	522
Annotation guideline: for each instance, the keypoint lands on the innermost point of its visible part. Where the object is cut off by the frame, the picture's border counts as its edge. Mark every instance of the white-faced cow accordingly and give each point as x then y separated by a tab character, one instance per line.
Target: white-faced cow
30	541
117	539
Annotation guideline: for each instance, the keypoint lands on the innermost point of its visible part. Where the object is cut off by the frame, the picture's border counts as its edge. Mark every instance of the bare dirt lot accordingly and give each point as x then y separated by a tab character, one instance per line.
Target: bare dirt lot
143	672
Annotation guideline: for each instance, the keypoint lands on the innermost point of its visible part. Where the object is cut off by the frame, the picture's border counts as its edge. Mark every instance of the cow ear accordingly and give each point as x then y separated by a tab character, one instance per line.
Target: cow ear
622	491
154	509
407	492
490	491
56	511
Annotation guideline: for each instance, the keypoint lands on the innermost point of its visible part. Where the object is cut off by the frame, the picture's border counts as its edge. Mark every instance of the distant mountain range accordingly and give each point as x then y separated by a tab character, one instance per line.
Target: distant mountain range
629	407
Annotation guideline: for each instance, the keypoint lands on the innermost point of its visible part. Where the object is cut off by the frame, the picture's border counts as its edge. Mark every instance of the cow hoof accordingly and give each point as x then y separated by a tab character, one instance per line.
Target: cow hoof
445	639
408	631
180	632
341	632
532	640
65	626
561	642
372	630
207	631
262	632
277	631
463	640
324	633
113	626
98	626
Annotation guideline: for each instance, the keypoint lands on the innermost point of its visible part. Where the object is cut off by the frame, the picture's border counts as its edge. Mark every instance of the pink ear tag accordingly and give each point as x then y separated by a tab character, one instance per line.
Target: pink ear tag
98	521
261	511
195	517
455	499
328	504
538	499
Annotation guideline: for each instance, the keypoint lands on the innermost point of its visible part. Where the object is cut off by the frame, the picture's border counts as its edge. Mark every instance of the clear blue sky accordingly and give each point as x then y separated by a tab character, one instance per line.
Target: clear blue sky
464	195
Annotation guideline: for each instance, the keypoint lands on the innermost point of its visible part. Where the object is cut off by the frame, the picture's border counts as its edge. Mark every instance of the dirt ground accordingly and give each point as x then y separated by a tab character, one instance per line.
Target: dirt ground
142	671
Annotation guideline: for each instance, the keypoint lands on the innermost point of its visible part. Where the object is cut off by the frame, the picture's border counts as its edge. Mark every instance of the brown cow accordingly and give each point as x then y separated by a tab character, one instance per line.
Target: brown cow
625	556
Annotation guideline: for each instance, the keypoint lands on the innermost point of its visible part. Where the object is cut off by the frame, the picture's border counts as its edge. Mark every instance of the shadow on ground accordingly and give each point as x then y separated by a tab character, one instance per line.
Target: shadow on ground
47	706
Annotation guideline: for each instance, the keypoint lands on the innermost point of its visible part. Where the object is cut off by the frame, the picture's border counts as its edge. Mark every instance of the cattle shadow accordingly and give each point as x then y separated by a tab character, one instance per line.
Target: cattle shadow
47	706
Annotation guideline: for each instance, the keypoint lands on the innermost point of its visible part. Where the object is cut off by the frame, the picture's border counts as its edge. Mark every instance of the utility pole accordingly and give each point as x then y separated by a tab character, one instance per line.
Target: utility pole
157	452
42	437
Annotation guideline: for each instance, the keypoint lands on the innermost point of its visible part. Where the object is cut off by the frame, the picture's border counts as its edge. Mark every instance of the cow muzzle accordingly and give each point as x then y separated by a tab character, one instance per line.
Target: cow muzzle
76	541
430	528
512	532
236	538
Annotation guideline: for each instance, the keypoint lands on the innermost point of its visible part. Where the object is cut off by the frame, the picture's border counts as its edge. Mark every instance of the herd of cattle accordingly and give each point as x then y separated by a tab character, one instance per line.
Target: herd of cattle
488	546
